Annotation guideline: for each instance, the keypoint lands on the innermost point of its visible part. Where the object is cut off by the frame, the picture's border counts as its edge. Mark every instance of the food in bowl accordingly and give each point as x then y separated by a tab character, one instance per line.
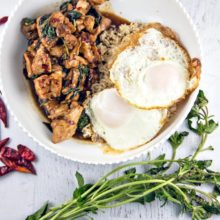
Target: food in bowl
110	82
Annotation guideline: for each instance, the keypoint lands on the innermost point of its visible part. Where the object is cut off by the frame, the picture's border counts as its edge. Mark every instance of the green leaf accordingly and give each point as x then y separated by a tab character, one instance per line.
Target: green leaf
201	100
79	191
211	126
177	139
63	6
73	15
159	165
28	21
203	164
147	199
213	209
83	121
130	171
80	179
150	197
160	157
43	19
216	190
38	214
84	70
49	31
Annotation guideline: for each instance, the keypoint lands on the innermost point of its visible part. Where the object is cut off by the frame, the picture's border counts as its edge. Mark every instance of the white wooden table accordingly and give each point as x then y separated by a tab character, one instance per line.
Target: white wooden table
22	194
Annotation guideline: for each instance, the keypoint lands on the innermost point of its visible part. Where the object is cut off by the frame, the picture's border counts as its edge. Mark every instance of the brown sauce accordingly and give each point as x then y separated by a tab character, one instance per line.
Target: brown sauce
116	19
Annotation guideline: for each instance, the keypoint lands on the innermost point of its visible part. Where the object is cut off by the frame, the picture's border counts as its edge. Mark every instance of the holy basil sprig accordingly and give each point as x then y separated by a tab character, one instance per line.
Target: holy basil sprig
178	186
200	122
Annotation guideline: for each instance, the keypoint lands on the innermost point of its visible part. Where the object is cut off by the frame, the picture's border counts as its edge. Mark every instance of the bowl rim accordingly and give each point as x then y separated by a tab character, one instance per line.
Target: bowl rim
90	162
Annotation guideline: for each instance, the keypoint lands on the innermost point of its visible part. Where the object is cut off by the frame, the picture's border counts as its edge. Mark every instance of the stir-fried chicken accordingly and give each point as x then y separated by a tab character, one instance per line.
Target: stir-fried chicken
41	62
61	61
83	6
65	128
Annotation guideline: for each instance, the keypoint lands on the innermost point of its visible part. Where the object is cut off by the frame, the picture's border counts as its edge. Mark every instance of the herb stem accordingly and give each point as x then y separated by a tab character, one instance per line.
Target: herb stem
200	147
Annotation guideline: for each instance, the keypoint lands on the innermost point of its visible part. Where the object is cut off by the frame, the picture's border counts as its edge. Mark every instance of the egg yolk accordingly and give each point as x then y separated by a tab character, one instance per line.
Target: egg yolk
163	77
111	109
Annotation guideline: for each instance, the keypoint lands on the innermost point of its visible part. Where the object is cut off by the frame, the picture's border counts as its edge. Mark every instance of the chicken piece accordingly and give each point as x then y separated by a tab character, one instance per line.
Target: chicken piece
69	25
96	53
74	103
49	43
70	41
56	18
56	67
29	31
81	60
56	83
80	24
64	129
86	49
65	28
69	7
57	51
28	58
75	77
105	24
97	2
89	23
50	106
74	114
83	6
71	63
33	47
76	49
62	30
73	81
58	111
42	86
41	62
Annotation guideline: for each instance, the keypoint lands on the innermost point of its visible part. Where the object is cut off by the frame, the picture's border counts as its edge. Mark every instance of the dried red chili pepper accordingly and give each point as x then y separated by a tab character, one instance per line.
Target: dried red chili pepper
3	113
26	153
10	153
4	142
22	163
3	20
19	160
4	170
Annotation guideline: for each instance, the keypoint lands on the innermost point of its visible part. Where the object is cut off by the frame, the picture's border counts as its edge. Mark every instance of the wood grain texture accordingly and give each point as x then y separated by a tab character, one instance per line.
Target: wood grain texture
21	194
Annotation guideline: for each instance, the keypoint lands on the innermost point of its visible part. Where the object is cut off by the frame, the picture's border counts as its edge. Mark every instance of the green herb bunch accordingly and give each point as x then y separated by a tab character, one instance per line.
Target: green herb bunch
180	186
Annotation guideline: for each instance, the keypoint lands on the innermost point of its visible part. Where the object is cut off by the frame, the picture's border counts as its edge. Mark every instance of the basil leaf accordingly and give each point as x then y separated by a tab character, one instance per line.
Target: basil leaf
38	214
80	179
73	15
177	138
83	121
28	21
130	171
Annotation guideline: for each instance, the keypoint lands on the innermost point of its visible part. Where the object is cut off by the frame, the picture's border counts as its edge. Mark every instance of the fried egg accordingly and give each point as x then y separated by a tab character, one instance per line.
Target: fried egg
152	70
120	124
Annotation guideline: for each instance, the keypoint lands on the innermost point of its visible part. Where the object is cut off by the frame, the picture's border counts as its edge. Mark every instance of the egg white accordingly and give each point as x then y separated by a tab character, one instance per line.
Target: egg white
121	125
155	73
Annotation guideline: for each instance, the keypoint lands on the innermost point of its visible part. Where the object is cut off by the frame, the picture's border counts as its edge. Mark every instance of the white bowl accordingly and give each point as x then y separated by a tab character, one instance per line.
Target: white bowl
17	94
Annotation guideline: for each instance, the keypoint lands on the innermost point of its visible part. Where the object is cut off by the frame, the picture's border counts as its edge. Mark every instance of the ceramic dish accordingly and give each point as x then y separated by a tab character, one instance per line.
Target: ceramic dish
17	93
